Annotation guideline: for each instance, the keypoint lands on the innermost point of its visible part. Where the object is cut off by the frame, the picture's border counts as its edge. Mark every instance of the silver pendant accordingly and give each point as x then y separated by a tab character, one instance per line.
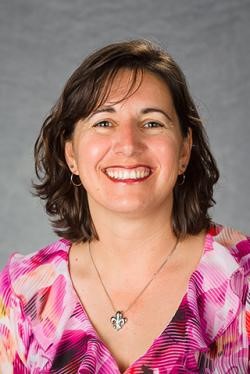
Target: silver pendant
118	320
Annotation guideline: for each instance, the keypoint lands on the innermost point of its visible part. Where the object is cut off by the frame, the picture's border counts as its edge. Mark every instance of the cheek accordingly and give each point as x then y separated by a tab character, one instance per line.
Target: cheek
168	150
90	152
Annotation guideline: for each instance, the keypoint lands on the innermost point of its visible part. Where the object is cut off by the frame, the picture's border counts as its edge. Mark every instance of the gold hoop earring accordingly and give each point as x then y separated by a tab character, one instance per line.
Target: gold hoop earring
183	179
72	181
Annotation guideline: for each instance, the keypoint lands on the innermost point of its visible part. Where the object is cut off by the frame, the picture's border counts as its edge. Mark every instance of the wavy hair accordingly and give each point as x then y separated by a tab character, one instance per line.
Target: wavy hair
87	88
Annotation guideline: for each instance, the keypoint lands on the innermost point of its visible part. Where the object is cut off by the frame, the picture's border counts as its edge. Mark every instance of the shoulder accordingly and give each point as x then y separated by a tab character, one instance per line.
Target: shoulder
219	288
25	274
35	292
235	243
221	296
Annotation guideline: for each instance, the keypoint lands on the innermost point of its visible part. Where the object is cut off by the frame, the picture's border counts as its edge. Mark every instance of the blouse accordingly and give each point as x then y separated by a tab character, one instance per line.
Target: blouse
45	329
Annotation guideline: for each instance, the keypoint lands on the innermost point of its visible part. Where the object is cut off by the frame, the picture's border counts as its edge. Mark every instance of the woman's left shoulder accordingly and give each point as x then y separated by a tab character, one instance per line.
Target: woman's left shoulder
236	242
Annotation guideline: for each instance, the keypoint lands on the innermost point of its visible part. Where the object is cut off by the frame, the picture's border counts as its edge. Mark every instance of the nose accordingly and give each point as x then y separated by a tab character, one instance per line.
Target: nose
128	140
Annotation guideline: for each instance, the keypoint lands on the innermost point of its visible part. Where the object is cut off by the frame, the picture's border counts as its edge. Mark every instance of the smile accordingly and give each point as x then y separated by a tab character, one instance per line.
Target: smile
138	173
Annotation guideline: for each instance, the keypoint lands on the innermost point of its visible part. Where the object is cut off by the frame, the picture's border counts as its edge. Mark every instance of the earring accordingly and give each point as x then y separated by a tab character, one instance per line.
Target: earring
72	181
183	180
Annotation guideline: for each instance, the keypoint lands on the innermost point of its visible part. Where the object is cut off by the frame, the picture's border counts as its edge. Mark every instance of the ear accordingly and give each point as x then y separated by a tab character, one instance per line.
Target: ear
70	157
186	151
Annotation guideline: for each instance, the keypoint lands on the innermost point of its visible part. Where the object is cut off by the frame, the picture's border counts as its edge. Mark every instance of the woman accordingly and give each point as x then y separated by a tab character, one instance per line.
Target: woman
141	281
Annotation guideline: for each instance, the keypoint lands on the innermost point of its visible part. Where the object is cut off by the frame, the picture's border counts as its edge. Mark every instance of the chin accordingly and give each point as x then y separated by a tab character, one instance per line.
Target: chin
128	207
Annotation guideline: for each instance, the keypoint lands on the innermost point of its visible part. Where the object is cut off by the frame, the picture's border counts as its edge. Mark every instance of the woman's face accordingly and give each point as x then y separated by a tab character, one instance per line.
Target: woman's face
128	153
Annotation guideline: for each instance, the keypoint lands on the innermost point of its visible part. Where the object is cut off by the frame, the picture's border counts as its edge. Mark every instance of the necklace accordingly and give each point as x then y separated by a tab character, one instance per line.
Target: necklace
118	320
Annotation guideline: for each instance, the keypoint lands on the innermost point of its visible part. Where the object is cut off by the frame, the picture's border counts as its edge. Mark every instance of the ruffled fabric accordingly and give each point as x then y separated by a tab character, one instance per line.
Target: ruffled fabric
209	333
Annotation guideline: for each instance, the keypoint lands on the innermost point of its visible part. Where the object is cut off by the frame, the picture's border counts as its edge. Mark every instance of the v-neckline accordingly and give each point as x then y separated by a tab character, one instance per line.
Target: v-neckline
208	239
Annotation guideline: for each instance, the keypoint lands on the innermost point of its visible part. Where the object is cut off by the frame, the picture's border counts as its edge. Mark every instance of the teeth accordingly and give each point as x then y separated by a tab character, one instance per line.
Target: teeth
123	174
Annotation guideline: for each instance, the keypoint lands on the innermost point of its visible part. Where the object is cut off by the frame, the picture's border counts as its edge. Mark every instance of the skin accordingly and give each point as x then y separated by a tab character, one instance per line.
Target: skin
132	216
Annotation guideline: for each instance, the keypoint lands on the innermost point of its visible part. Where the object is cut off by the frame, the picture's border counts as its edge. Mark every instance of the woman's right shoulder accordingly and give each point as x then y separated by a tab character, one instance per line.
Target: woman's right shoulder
23	271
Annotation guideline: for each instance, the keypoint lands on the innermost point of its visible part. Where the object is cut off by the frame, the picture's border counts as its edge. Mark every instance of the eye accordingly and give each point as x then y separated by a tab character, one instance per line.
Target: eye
103	124
153	124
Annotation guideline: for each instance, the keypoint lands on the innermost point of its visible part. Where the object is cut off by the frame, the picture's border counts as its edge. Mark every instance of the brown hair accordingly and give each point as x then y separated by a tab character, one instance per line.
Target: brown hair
86	89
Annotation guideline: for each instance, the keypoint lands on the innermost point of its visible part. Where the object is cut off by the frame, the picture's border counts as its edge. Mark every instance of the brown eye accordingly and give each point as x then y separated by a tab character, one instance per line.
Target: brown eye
102	124
153	124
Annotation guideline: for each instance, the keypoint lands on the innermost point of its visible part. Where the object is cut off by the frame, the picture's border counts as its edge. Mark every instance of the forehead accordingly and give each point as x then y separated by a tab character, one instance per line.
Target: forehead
127	83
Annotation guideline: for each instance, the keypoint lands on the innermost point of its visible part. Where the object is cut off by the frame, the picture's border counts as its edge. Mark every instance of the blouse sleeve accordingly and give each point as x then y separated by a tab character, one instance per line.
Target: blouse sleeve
13	329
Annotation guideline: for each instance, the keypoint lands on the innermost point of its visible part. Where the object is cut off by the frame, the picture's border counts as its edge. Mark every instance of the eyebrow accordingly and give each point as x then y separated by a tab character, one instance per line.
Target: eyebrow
103	109
157	110
110	109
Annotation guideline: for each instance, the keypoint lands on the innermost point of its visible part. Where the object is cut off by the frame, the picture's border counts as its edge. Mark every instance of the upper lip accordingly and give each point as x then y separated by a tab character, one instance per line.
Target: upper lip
128	166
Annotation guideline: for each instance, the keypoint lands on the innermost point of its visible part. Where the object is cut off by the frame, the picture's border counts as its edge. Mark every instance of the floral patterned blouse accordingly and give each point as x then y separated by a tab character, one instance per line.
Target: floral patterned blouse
45	329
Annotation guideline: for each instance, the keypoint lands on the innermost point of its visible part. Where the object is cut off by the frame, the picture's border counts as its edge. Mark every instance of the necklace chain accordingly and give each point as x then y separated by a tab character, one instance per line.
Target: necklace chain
119	320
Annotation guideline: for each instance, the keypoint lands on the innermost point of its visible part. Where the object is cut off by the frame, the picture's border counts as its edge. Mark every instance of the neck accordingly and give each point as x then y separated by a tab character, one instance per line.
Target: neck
132	240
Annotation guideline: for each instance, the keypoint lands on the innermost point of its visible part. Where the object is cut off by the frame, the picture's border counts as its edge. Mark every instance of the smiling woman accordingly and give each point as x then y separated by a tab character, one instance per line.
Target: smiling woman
134	141
112	76
142	280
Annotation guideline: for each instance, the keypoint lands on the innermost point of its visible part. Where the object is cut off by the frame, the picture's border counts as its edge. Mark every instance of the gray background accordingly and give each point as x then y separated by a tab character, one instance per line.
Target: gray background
42	42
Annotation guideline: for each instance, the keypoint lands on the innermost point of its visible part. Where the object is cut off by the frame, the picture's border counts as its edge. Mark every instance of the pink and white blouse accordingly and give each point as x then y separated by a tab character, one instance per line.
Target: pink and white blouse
45	329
